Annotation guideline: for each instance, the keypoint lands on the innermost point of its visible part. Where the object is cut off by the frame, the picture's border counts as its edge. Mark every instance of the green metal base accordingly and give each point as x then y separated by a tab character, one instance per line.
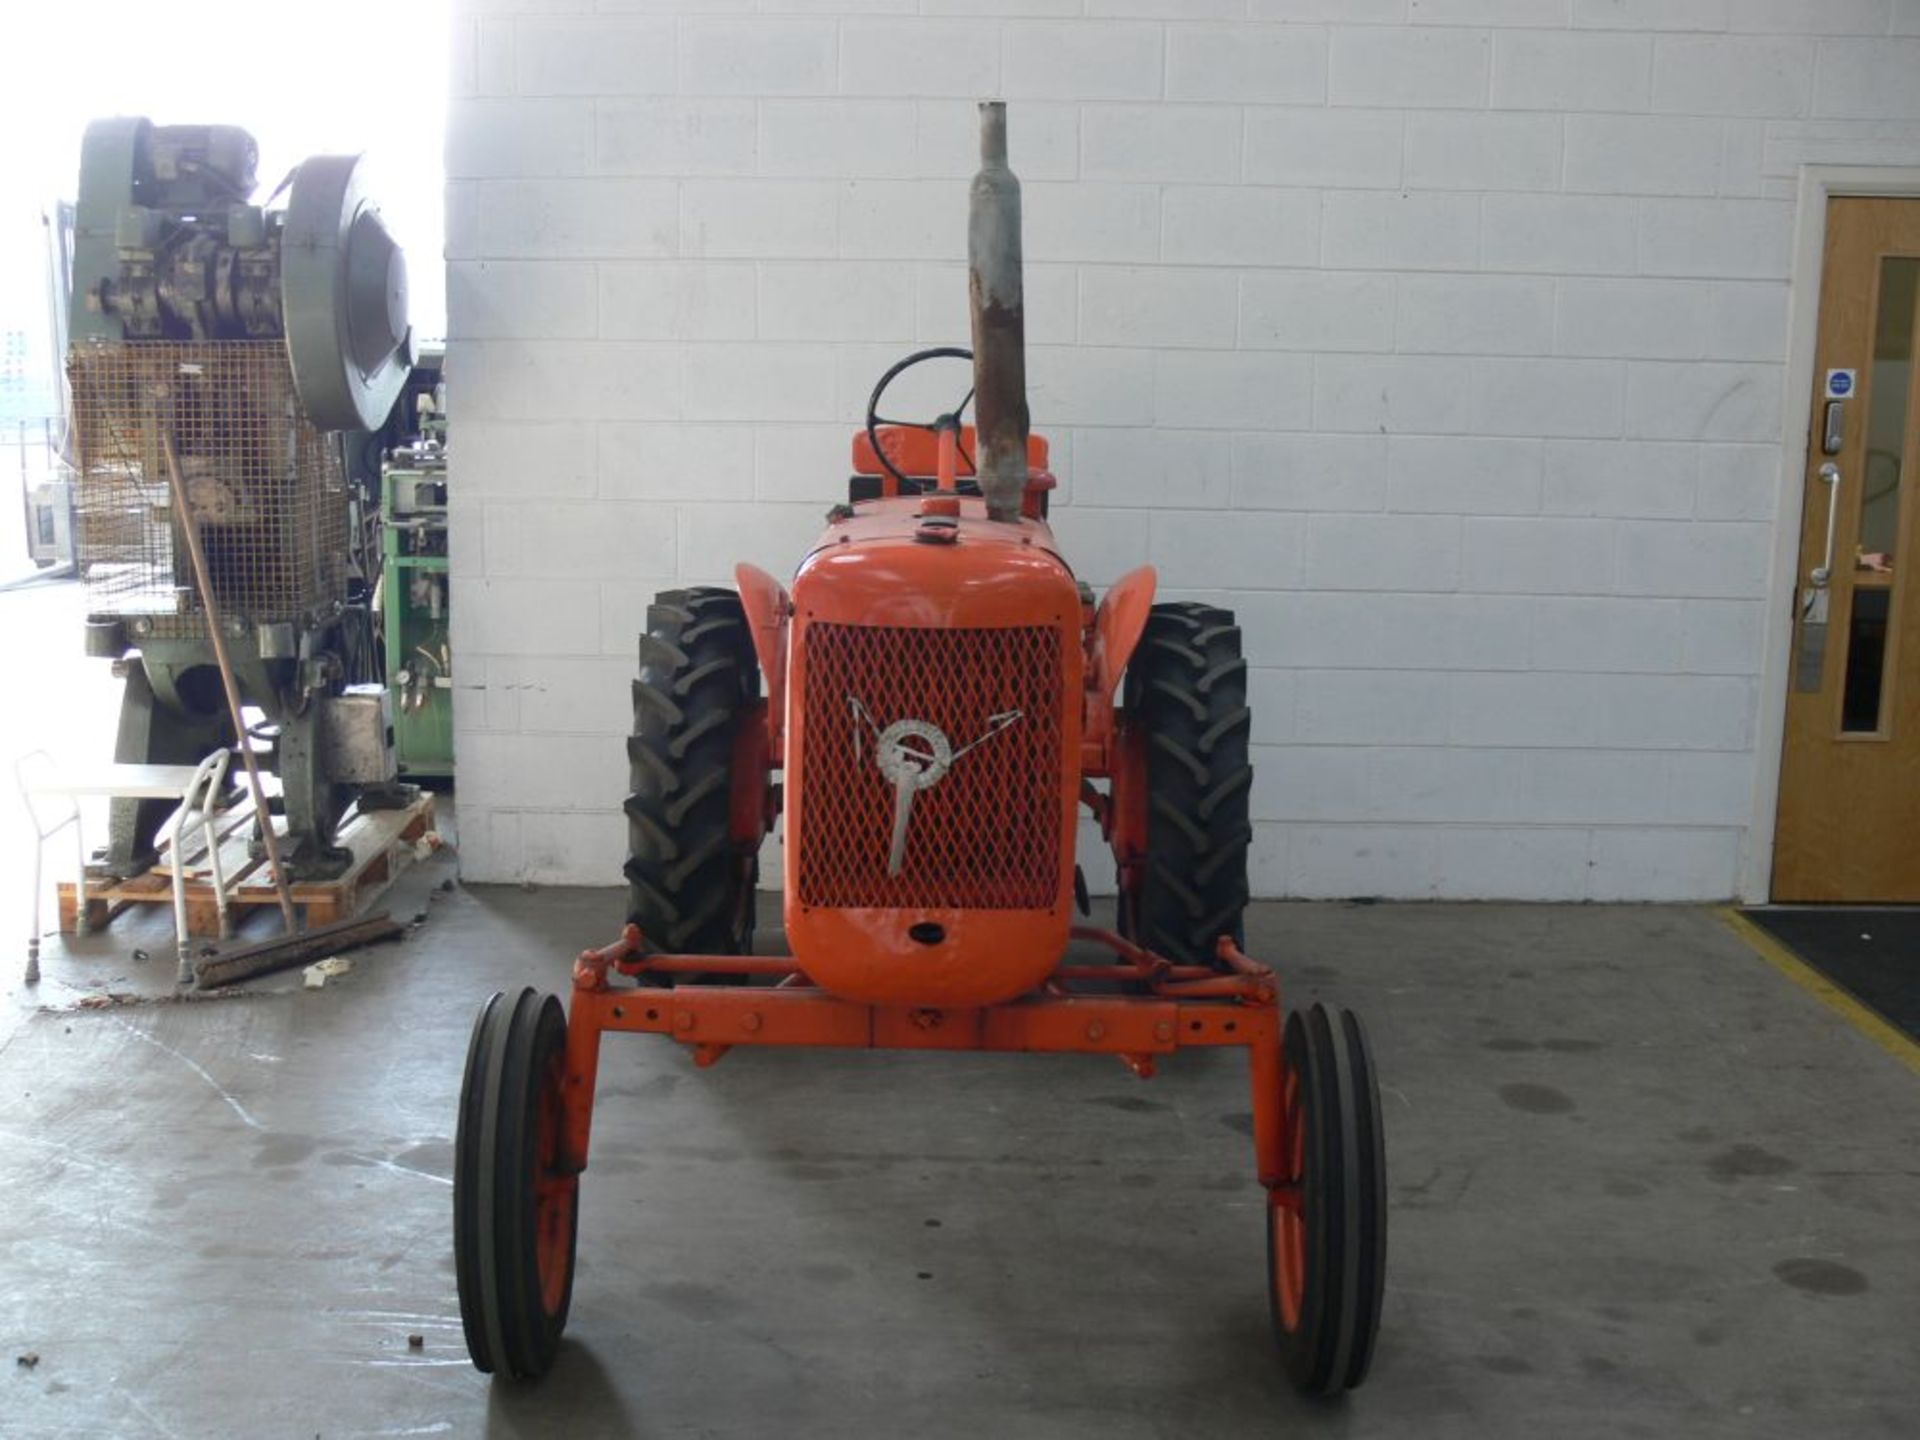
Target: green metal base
419	679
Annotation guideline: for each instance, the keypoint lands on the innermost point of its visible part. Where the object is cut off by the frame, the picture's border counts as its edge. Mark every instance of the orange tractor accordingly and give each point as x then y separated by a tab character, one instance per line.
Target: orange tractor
940	697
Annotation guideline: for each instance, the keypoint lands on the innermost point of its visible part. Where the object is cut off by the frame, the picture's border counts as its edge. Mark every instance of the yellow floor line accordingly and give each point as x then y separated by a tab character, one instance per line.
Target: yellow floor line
1888	1037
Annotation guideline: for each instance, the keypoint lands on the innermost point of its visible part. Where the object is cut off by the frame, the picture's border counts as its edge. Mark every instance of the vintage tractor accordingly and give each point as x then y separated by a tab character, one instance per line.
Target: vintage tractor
939	693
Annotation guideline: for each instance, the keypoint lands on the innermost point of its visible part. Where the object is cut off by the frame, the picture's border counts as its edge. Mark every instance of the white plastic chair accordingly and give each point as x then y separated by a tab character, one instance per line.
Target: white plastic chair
196	789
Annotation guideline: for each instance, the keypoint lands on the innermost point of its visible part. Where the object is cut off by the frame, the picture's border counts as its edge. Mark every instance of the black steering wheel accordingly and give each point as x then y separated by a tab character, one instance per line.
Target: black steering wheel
949	421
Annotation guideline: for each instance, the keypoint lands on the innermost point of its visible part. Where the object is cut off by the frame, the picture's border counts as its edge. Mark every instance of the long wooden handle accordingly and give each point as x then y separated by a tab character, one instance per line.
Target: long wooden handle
204	584
287	951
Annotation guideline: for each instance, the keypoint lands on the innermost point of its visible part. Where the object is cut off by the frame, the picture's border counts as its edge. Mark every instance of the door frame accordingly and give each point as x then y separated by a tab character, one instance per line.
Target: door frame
1818	184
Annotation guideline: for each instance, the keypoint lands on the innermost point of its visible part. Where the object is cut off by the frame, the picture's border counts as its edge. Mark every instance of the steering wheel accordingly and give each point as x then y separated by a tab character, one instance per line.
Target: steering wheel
951	419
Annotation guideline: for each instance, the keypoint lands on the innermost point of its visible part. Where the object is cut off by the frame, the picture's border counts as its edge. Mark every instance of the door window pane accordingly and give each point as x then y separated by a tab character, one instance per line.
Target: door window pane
1866	661
1893	343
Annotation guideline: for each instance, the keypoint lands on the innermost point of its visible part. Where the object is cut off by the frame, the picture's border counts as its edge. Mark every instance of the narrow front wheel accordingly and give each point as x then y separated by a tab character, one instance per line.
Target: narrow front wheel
1327	1219
515	1205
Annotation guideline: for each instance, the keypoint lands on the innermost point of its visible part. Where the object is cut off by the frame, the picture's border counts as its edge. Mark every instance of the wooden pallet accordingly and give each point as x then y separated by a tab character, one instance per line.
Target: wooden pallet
382	842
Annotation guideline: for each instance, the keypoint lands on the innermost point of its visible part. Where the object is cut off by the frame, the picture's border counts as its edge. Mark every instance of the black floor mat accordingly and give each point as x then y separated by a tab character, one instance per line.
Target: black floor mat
1871	953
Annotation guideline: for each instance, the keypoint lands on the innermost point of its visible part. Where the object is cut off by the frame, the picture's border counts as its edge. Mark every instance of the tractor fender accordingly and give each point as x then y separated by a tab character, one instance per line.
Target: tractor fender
765	601
1117	627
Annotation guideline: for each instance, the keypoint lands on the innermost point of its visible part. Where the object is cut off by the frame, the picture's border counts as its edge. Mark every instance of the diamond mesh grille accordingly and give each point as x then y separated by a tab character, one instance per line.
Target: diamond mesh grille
986	836
266	487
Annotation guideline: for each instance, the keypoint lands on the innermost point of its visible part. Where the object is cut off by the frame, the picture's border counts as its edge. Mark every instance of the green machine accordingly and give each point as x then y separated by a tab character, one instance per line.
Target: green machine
414	598
238	348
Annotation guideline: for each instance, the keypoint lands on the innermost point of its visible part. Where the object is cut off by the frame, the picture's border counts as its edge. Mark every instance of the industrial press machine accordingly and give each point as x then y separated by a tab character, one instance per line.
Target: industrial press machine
248	346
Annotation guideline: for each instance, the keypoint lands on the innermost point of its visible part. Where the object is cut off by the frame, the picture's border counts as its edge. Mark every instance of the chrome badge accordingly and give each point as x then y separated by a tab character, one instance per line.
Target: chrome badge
913	755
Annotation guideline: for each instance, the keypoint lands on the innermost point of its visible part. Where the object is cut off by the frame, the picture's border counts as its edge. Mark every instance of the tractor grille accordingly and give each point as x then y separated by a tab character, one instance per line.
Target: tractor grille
984	837
265	487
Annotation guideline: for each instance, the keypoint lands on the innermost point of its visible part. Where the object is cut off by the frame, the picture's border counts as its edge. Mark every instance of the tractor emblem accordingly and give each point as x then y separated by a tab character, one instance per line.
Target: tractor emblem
913	755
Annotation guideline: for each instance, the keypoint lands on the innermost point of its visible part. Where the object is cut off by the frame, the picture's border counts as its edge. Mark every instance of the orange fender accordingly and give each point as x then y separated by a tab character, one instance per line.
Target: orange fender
767	607
1117	627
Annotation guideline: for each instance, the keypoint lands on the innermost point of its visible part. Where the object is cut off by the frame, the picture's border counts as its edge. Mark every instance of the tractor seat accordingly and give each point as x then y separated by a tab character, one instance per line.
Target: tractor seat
915	453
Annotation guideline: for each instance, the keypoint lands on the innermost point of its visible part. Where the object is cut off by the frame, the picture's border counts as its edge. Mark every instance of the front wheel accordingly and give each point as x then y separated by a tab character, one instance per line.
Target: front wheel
515	1205
1327	1219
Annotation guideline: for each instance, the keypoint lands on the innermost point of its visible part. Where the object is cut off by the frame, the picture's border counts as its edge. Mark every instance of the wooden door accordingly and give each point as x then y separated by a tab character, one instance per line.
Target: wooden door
1849	823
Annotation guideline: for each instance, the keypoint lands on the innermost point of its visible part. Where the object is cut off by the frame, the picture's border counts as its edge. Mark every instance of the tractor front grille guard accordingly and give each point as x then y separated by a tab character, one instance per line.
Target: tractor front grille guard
1235	1003
988	836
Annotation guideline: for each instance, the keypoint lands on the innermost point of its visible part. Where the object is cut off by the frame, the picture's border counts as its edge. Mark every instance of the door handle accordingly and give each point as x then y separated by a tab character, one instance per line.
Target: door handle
1830	473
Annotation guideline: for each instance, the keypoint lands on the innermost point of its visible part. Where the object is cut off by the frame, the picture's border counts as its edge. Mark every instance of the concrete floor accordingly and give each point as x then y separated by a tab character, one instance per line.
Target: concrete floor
1641	1187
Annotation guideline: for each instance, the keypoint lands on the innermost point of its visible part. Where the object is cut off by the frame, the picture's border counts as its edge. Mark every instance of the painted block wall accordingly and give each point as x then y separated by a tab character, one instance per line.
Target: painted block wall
1443	339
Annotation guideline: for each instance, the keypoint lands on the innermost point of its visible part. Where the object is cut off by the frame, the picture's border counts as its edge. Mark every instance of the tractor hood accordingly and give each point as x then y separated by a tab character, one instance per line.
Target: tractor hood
932	560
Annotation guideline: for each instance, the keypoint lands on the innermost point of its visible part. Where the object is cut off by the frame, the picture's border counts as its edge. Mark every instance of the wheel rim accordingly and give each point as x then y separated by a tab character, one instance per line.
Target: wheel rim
555	1191
1287	1211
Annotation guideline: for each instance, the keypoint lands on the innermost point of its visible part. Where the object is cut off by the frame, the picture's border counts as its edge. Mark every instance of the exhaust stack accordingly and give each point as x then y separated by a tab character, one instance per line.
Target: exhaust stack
998	309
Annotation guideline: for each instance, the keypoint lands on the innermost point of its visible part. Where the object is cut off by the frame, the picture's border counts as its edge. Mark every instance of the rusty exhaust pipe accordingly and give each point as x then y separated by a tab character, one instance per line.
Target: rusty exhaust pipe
998	309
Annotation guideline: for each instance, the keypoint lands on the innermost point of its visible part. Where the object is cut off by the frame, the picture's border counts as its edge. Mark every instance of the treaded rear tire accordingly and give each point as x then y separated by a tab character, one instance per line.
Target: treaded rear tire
1186	692
690	884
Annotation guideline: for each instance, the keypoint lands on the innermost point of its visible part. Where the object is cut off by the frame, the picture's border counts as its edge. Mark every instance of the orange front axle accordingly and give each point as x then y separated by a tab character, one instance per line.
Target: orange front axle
1166	1007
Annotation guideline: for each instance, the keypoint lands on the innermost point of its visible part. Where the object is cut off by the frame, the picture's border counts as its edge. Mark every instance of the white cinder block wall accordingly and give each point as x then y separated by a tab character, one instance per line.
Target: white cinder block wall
1442	338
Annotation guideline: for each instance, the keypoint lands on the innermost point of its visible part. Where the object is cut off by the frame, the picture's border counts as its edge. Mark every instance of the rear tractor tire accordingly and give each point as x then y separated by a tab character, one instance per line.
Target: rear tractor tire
690	879
1186	701
516	1207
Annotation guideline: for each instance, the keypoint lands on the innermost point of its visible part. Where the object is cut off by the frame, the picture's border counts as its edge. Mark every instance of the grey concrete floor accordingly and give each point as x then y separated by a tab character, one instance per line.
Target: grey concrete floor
1641	1186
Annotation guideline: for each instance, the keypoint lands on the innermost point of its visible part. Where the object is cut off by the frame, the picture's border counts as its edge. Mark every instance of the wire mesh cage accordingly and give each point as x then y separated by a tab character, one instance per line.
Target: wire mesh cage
266	488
